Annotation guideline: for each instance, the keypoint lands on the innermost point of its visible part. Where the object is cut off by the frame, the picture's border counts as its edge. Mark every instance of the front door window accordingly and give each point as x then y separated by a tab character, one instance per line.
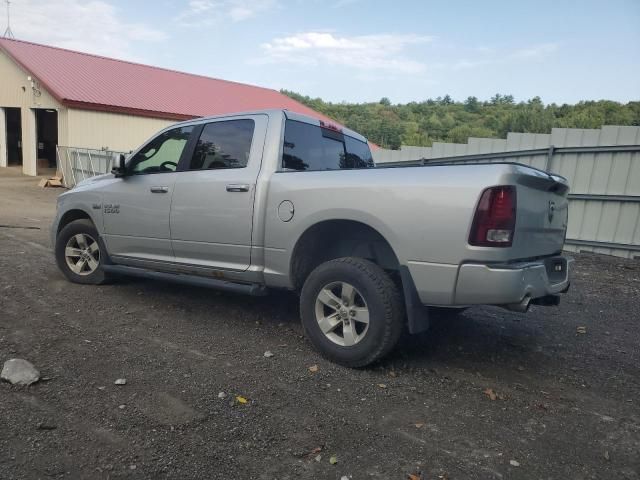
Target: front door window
161	154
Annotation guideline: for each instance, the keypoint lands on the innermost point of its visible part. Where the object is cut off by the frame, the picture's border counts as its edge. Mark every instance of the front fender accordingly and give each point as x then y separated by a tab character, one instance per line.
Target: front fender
70	204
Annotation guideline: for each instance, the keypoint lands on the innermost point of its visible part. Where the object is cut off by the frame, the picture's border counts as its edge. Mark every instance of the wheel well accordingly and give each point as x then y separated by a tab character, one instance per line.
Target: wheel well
339	238
71	216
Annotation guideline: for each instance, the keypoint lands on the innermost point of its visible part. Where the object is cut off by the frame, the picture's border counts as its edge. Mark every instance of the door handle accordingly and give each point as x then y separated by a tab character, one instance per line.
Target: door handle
159	189
238	187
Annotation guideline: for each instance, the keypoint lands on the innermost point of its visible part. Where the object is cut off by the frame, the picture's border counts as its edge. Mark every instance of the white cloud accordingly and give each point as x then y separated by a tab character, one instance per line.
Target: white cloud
365	52
201	13
91	26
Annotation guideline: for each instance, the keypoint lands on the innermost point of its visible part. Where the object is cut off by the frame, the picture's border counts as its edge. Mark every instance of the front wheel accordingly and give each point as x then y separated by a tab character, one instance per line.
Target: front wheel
352	311
79	253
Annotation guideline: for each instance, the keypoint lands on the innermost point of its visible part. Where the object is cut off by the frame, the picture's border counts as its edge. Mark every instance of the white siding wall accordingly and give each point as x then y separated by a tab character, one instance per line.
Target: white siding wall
119	132
16	91
76	128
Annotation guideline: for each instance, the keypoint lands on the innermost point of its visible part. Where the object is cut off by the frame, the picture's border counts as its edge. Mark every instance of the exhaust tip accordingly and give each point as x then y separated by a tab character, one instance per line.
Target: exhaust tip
520	307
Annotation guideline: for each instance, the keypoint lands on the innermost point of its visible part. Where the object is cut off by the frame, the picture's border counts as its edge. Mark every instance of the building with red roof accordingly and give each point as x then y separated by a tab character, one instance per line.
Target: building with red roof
50	96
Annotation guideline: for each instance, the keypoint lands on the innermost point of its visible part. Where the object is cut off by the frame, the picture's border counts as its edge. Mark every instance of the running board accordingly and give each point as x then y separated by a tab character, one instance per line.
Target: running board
253	289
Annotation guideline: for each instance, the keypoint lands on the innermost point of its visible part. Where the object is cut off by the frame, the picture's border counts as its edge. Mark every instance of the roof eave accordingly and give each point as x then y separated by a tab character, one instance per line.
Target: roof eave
125	110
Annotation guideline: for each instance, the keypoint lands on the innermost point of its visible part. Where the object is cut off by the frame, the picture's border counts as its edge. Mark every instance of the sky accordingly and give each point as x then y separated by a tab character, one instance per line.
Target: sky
362	50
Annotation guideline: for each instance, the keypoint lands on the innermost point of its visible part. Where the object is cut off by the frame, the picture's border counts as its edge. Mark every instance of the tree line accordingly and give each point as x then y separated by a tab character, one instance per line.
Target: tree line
446	120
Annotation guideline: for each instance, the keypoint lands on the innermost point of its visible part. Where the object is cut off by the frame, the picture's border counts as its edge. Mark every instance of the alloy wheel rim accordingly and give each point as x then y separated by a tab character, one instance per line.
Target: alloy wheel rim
342	313
82	254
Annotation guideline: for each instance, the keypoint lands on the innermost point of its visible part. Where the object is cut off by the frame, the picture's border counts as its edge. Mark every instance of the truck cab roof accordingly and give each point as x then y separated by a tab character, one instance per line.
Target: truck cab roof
279	112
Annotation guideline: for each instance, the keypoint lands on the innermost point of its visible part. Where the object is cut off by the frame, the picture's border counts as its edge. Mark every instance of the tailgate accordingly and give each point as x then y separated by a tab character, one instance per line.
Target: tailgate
542	212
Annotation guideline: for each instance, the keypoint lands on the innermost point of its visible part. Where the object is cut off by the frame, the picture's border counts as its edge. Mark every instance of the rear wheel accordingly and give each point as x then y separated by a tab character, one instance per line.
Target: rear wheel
352	311
80	254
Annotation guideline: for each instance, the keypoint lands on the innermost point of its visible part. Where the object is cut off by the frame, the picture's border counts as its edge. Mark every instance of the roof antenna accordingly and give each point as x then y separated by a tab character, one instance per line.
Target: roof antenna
8	33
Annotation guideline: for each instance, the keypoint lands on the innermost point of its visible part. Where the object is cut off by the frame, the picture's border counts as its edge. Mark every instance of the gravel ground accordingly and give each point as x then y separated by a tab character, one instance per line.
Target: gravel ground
491	394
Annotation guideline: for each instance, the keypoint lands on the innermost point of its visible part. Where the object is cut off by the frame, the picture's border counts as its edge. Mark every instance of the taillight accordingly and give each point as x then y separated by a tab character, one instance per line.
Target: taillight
495	219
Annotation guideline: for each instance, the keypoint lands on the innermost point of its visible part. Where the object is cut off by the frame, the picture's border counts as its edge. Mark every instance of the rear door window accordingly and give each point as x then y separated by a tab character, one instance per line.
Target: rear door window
311	148
222	145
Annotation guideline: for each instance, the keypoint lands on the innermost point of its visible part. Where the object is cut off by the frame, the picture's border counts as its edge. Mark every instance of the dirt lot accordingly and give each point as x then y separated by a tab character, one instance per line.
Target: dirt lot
567	405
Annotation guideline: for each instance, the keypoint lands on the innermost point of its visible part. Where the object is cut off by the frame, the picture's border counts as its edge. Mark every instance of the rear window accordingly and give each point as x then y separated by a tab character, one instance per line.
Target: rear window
312	148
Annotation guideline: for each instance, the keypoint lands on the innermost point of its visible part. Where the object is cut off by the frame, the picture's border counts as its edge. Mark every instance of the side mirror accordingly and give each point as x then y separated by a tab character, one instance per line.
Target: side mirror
120	169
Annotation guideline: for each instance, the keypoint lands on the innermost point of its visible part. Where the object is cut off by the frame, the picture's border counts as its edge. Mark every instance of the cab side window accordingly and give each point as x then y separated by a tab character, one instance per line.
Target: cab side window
358	154
161	154
311	148
223	145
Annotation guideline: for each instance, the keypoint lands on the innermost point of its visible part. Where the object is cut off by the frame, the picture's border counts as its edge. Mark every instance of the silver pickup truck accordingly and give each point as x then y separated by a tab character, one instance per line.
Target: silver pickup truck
273	199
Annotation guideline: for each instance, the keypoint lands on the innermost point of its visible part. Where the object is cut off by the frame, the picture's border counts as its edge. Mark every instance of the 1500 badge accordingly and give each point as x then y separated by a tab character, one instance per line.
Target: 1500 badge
111	208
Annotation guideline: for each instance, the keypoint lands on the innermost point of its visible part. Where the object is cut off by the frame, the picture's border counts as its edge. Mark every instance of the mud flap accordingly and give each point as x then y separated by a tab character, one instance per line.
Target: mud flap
417	313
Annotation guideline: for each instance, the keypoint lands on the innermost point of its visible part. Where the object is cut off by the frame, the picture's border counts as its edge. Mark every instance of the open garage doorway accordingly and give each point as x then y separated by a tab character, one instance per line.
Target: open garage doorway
13	122
47	137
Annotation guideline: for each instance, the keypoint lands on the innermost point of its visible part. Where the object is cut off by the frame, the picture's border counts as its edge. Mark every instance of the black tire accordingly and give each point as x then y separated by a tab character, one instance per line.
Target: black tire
85	227
383	302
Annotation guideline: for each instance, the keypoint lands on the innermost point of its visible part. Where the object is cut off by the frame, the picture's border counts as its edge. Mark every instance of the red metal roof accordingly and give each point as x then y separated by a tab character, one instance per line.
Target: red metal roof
81	80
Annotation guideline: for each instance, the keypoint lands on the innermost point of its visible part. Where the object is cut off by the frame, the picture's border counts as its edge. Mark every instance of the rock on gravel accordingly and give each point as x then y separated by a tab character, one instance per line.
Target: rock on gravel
19	372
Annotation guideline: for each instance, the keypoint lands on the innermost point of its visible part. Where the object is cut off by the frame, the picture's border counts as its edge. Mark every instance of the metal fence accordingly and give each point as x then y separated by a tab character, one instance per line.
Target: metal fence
76	164
602	167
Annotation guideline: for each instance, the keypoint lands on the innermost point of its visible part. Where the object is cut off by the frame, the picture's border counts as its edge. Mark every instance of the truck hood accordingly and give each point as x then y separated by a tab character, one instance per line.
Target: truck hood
92	180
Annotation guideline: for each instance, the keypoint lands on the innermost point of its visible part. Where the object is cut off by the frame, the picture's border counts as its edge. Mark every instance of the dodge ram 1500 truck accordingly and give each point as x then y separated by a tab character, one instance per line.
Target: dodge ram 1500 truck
273	199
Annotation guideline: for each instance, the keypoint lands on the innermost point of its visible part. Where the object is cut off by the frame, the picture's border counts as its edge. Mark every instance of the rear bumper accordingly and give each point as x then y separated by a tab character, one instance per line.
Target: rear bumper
480	284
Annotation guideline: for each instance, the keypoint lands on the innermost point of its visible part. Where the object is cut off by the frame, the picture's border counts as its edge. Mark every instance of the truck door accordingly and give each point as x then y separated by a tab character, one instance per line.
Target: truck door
136	208
212	206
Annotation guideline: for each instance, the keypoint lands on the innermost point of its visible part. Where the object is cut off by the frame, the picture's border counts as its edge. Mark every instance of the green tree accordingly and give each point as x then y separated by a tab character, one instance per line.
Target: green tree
443	119
471	104
447	100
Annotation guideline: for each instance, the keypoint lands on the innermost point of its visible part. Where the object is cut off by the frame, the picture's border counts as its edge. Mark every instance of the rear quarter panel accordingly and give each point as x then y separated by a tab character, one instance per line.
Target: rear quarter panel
424	213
